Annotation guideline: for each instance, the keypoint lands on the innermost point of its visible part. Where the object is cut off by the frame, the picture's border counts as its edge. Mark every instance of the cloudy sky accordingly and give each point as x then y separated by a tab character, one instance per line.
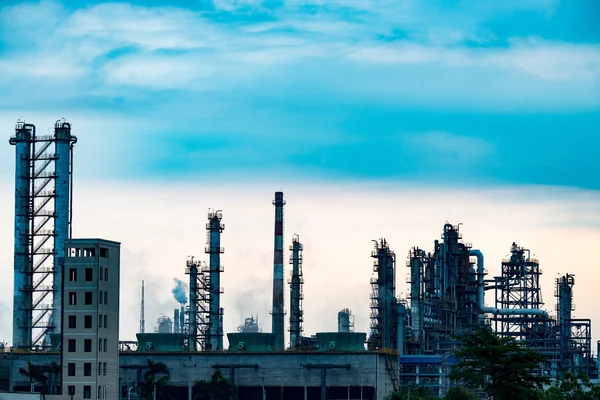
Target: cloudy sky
377	119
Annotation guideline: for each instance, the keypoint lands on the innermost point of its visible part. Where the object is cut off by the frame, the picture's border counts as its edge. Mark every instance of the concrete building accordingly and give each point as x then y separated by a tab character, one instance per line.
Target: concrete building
90	323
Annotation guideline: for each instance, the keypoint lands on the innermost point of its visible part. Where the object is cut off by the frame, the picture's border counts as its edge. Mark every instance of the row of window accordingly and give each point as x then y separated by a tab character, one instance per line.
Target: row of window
89	274
87	391
86	252
87	345
87	369
88	298
87	321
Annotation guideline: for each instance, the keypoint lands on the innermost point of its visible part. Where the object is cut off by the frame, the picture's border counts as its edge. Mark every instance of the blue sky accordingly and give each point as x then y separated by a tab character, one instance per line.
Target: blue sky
372	106
459	92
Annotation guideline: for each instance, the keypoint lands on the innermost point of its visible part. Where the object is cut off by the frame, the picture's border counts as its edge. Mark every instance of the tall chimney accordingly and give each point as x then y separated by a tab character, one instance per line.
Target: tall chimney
176	321
277	311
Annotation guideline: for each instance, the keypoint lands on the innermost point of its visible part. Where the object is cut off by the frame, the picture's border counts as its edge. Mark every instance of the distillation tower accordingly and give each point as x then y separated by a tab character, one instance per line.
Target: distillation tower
345	321
296	296
383	298
214	250
43	195
278	313
198	310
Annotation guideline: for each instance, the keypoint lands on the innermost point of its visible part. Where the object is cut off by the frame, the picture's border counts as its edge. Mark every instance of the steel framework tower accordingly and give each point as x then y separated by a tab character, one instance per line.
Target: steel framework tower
43	195
296	296
198	310
383	298
214	250
518	287
278	313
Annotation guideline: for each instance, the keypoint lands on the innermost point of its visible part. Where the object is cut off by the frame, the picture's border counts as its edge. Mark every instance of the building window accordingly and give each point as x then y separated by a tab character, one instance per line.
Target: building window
101	273
72	346
99	344
88	321
99	392
71	369
72	274
105	298
88	298
87	369
72	321
101	297
87	345
104	370
72	298
105	347
99	321
87	392
103	252
99	368
89	274
106	274
106	321
71	390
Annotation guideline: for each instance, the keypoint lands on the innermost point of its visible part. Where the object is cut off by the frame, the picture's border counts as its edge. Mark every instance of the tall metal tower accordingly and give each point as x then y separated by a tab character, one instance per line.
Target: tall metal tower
214	250
383	298
518	287
198	311
278	312
296	296
142	317
43	195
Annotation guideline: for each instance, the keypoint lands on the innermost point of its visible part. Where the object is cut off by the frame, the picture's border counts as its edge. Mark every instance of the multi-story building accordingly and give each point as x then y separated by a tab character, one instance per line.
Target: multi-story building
90	322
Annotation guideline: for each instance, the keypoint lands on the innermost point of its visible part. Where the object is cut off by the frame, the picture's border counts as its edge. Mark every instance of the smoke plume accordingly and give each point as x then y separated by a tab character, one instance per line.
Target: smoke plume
180	291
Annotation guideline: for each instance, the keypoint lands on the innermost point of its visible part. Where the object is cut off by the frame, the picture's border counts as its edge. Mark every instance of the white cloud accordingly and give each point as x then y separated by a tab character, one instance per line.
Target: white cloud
160	225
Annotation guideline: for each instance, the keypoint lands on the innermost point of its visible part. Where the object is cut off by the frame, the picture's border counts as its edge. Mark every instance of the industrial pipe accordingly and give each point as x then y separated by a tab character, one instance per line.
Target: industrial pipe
493	310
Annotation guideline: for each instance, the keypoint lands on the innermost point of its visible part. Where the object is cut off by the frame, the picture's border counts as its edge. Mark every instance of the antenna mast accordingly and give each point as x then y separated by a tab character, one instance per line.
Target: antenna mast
142	320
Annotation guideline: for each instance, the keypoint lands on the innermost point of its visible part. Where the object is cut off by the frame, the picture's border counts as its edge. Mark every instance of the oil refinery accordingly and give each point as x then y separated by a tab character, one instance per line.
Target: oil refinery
66	291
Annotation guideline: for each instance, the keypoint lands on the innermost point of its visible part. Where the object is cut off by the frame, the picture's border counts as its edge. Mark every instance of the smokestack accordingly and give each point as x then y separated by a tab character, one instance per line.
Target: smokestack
182	320
176	321
277	311
213	249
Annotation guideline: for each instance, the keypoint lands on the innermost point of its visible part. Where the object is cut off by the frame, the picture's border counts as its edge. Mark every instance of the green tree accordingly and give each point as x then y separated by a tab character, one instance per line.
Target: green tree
156	378
54	372
218	388
572	387
503	368
413	393
34	373
459	393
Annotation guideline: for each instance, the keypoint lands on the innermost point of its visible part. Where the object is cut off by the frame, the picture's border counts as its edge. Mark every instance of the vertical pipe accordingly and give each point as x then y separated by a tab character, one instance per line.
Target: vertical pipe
176	321
192	318
400	332
296	293
23	268
62	134
182	320
277	312
323	383
416	309
215	329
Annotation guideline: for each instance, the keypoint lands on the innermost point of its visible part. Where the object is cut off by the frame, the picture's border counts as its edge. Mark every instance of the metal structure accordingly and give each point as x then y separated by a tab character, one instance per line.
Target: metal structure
446	298
575	334
142	317
383	298
277	312
345	321
250	325
518	287
43	194
296	296
214	227
198	310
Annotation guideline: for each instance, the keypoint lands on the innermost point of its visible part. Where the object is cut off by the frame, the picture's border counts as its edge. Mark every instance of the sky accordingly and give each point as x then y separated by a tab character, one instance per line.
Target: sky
376	118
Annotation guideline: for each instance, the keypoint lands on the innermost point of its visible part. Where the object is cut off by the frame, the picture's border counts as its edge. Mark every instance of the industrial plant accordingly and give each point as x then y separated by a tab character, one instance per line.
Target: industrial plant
66	304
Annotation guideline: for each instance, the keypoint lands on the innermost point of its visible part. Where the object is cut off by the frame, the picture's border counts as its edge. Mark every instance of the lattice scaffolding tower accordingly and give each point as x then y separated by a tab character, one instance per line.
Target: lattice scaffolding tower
43	214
